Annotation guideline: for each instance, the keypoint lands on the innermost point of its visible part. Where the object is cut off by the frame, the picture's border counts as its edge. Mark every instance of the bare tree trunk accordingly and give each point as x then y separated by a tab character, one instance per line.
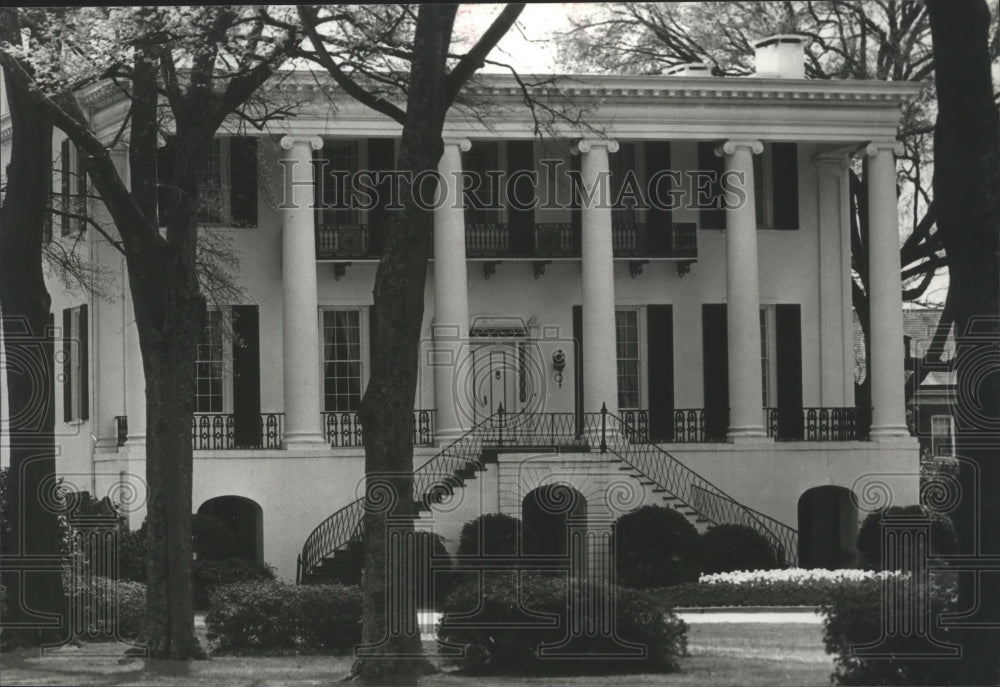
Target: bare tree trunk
966	188
387	407
25	303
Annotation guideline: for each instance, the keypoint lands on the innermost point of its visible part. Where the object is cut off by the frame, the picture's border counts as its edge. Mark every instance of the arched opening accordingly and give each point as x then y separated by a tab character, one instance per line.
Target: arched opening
547	514
245	519
828	528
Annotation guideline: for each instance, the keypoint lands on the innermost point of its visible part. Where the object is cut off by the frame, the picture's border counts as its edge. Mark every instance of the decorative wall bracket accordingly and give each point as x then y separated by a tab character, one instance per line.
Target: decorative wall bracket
683	267
635	267
339	270
538	266
490	268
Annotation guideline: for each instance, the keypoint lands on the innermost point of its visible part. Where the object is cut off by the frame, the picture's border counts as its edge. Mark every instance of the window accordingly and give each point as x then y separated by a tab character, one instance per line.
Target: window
342	360
484	209
627	337
942	435
72	189
624	161
334	183
768	354
210	367
227	183
776	186
76	376
210	186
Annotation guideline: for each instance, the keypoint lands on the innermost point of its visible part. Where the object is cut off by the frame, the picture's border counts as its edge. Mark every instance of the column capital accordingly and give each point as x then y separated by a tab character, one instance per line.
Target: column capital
463	143
732	145
833	163
287	141
873	148
585	145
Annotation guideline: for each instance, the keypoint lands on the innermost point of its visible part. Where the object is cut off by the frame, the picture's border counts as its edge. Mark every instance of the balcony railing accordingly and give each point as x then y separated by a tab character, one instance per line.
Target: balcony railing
690	427
343	429
559	240
818	424
226	431
344	241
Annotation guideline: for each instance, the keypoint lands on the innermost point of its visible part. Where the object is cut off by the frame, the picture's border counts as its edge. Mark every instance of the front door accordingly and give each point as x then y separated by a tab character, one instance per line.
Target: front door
497	374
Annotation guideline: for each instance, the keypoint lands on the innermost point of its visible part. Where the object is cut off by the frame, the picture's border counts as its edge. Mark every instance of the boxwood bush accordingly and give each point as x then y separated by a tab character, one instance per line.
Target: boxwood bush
272	618
723	548
943	540
655	547
113	609
854	616
207	574
493	644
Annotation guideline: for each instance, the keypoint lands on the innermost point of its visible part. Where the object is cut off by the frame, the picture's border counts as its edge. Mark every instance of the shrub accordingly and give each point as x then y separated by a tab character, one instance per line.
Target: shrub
494	643
434	583
492	534
724	548
855	616
943	538
275	618
208	574
91	600
655	547
132	554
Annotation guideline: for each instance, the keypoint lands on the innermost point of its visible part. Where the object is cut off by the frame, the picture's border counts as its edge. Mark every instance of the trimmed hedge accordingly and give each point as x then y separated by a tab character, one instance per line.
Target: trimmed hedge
273	618
724	548
944	539
207	574
490	647
854	616
126	600
655	547
492	534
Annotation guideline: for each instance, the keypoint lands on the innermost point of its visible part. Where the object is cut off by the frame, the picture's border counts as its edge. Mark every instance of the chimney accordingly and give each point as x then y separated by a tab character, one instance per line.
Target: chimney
689	69
781	57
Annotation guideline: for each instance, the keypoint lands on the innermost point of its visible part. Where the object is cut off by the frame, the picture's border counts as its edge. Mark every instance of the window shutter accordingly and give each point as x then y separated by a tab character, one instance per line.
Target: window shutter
80	206
659	220
243	181
67	365
708	161
381	158
65	188
164	171
521	156
84	351
246	376
660	371
578	365
715	369
788	351
575	216
785	185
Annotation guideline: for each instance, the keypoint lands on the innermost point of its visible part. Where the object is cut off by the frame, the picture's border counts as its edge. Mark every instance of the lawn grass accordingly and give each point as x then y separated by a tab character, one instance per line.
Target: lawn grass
747	655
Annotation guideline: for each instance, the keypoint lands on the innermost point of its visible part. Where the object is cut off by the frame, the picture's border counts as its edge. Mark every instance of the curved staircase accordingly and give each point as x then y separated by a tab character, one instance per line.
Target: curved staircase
333	550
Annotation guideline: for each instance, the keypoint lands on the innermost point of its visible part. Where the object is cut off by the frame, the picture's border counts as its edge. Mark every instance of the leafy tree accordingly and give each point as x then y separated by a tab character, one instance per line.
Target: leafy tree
184	72
967	197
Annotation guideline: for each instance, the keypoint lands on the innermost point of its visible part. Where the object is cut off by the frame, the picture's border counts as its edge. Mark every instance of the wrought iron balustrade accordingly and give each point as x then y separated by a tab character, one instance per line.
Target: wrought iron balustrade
344	241
690	427
487	240
227	431
121	429
556	240
818	424
343	428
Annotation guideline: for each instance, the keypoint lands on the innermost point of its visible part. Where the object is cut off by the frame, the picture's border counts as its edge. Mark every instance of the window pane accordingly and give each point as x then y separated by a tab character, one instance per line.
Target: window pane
341	360
209	366
627	336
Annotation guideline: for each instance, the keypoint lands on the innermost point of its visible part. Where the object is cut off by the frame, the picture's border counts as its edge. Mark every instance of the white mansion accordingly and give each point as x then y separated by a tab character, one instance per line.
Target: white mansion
697	353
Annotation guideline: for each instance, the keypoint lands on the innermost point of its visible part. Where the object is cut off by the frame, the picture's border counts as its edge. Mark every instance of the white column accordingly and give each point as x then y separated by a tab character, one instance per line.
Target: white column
885	294
833	225
746	416
300	311
450	329
600	370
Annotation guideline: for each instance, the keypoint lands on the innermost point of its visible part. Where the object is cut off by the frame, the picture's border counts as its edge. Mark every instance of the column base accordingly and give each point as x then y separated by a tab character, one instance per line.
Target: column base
889	433
304	441
748	435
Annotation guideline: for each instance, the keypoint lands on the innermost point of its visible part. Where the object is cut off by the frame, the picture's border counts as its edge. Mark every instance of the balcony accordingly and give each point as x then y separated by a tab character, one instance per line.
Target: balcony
343	428
689	425
541	241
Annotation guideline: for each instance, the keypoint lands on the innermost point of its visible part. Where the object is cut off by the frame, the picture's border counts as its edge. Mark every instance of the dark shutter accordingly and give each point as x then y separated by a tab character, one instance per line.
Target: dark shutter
575	215
521	217
660	371
67	365
164	173
578	365
50	348
656	156
243	181
788	351
785	185
80	190
84	365
715	369
246	376
381	158
65	189
713	217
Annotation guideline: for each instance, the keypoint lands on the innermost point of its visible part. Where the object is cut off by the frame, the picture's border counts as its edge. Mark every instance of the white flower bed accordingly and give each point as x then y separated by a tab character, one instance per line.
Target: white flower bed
794	575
